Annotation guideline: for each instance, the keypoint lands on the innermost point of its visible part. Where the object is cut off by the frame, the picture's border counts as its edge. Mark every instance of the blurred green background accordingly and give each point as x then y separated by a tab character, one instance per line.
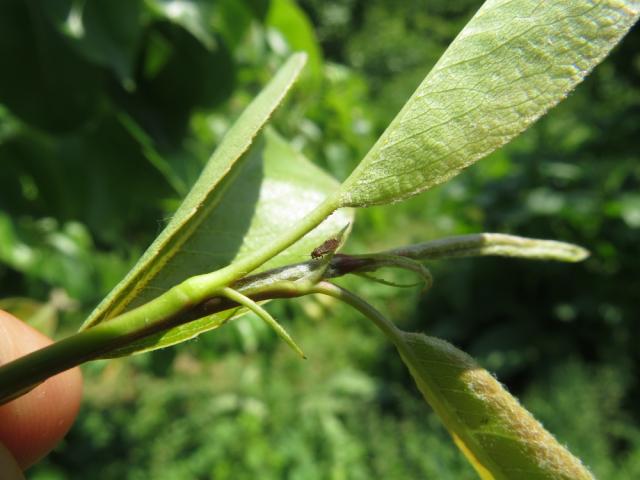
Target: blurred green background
109	109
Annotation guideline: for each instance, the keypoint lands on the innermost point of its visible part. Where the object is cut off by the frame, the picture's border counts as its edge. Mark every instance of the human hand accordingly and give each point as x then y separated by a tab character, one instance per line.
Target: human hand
30	426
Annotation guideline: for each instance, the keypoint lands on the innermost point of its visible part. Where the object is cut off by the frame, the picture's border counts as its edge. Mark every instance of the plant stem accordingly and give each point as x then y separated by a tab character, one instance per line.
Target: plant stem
227	275
368	310
431	394
240	299
496	244
21	375
200	296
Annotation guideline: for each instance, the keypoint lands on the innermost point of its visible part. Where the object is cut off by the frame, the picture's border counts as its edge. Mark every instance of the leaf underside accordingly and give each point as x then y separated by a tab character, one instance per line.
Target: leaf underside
499	437
254	187
195	210
512	62
286	187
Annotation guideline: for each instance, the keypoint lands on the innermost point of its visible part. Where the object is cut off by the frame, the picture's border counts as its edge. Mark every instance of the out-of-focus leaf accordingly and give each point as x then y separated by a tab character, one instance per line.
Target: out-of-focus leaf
512	62
43	316
276	188
630	209
50	176
179	76
232	20
498	436
192	15
106	32
43	249
290	21
44	82
177	252
159	161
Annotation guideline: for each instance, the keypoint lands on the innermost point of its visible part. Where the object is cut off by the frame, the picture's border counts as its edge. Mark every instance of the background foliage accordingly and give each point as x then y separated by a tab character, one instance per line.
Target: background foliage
108	110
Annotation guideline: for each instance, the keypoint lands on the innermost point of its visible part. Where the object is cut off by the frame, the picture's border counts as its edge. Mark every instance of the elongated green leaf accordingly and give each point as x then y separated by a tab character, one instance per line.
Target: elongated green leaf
511	63
194	214
493	244
499	437
276	188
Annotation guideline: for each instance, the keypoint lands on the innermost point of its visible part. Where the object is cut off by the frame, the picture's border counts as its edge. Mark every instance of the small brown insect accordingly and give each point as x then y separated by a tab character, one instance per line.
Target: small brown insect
329	246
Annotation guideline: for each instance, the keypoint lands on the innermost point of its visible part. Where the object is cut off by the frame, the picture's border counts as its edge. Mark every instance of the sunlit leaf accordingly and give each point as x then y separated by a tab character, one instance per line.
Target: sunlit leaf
512	62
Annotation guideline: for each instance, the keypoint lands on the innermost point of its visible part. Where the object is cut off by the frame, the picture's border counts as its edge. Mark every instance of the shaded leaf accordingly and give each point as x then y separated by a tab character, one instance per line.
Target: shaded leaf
192	15
194	212
233	20
512	62
106	32
275	189
179	76
51	176
44	82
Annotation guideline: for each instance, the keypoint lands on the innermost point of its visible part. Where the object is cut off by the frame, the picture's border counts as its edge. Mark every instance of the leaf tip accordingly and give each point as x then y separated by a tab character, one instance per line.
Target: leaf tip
300	58
580	254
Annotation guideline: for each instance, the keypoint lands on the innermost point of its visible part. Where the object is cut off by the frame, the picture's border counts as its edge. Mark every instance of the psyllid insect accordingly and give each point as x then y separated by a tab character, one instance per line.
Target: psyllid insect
329	246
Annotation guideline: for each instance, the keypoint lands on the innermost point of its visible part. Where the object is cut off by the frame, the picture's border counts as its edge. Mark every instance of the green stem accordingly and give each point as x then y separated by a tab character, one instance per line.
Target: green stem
368	310
431	393
181	303
376	261
245	301
23	374
201	284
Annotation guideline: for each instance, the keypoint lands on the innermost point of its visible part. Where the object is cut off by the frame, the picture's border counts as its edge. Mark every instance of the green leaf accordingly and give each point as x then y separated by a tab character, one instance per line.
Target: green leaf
291	21
60	255
49	85
512	62
499	437
106	32
151	153
192	15
288	187
493	244
193	215
233	21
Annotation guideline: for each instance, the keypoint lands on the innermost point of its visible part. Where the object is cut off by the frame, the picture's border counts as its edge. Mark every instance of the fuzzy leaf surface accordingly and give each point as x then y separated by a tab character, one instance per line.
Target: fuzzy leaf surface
512	62
498	436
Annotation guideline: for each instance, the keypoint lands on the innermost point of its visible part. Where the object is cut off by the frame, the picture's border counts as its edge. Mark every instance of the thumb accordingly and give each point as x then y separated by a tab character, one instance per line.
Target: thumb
31	425
9	469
